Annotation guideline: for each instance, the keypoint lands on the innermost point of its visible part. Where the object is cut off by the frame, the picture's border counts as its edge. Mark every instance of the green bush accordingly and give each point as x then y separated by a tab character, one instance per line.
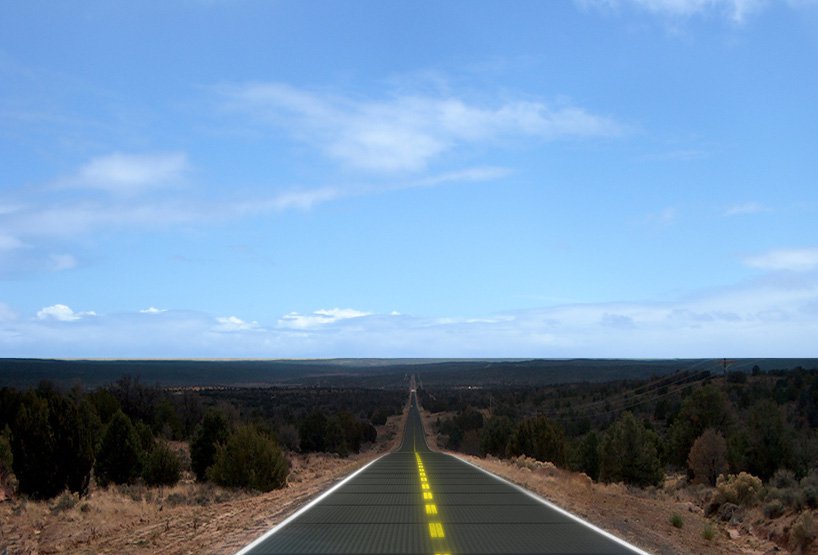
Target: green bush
628	453
249	460
709	532
539	438
676	520
742	489
213	431
120	453
162	466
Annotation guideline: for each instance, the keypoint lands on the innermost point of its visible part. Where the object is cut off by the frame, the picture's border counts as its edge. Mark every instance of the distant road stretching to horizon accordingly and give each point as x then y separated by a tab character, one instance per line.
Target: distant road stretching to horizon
417	501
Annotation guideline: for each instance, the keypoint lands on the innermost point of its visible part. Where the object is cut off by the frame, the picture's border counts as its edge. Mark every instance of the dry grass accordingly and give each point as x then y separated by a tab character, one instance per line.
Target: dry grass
186	518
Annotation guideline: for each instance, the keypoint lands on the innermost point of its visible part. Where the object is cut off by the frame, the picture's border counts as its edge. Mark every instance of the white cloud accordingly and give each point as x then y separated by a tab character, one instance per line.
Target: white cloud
62	313
235	324
130	173
407	133
771	317
318	318
796	260
745	208
735	10
152	310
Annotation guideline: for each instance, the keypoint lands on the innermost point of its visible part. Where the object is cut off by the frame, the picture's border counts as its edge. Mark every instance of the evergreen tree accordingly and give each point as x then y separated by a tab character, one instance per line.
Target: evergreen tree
539	438
120	453
628	453
212	431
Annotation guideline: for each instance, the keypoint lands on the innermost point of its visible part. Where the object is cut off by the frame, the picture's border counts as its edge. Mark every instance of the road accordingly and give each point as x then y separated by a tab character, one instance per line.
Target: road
415	500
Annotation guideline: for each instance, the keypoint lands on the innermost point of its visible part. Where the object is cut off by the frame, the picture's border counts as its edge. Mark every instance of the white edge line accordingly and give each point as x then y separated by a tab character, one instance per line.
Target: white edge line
560	510
305	508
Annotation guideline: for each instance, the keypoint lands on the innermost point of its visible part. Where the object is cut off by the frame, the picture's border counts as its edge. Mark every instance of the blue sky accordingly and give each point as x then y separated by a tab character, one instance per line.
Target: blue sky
208	178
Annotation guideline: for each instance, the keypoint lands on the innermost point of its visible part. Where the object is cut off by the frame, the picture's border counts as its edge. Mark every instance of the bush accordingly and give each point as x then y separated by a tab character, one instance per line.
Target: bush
803	531
773	509
676	520
709	532
708	457
120	454
52	444
628	453
783	478
212	431
249	460
742	489
162	466
64	502
538	438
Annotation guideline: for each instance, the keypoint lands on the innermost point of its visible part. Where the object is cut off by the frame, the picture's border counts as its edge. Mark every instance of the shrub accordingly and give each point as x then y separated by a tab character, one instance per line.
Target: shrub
120	454
709	532
249	460
64	502
538	438
628	453
742	489
708	457
162	466
773	509
803	531
676	520
783	478
52	444
212	432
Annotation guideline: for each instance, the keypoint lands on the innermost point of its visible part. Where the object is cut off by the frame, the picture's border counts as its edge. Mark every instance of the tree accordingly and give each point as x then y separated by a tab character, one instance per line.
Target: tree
769	440
628	453
538	438
588	455
212	432
495	435
162	466
707	407
312	432
249	460
120	453
708	457
52	443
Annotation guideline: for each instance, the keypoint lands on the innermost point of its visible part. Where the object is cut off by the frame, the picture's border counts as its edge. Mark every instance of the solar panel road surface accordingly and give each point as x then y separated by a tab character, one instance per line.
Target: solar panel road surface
415	500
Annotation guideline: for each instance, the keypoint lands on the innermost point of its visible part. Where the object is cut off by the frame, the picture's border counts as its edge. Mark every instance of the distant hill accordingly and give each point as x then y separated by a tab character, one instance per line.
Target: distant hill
373	373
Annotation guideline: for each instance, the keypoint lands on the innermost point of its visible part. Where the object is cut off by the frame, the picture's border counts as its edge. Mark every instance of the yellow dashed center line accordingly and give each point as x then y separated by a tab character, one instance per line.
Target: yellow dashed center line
436	531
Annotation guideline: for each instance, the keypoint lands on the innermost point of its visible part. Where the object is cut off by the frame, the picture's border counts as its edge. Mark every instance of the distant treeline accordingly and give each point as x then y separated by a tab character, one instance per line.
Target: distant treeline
53	439
634	431
357	373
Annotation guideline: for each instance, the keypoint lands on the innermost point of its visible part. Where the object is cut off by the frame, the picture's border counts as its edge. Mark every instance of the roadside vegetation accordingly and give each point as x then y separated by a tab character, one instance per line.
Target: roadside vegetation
744	444
128	433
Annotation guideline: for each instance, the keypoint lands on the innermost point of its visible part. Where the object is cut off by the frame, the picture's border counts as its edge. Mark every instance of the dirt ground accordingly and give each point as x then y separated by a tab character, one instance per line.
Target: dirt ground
639	516
185	519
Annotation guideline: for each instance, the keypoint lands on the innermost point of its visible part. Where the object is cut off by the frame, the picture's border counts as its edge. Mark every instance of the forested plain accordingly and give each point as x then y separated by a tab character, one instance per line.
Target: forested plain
747	429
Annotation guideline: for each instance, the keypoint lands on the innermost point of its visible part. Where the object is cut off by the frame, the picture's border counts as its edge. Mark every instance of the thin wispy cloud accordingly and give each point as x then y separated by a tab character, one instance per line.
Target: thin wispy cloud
319	318
794	260
736	11
763	318
128	174
745	208
406	133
